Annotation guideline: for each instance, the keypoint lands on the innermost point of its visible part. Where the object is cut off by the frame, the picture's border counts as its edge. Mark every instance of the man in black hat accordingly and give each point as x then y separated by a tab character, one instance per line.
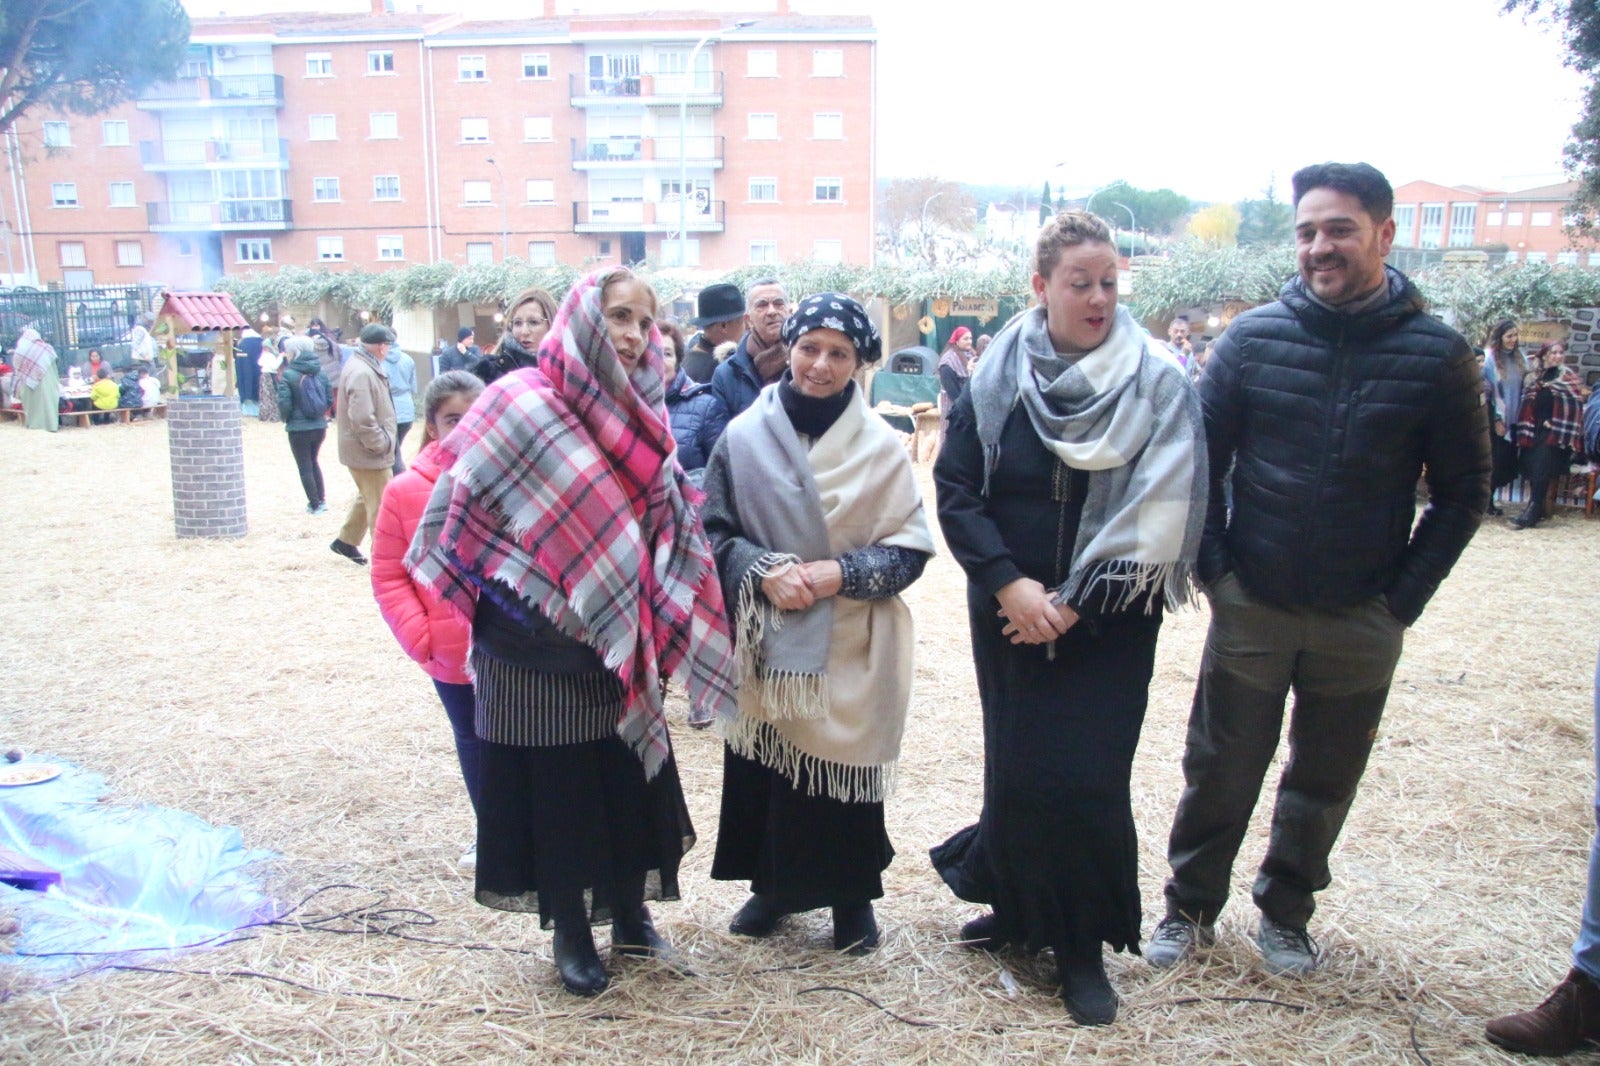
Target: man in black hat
720	319
464	355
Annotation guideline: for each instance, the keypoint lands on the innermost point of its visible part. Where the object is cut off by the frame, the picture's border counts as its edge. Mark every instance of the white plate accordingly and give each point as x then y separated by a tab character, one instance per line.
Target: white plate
27	773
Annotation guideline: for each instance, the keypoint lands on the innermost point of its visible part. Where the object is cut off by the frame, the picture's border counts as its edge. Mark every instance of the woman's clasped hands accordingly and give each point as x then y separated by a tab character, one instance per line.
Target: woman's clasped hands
799	585
1031	617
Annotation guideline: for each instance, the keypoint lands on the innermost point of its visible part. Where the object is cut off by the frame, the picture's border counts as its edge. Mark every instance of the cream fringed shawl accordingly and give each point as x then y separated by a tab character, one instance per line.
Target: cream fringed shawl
823	692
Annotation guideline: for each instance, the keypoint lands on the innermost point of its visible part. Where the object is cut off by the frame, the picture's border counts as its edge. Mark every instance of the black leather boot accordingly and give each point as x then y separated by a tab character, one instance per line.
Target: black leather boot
855	930
1085	989
633	933
1529	517
573	946
758	917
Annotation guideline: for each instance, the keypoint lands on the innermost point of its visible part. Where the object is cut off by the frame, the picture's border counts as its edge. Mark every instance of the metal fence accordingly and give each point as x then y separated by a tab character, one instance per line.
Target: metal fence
74	320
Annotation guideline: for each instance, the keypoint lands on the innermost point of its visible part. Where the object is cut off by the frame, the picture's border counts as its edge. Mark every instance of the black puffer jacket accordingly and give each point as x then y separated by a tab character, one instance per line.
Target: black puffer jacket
1331	419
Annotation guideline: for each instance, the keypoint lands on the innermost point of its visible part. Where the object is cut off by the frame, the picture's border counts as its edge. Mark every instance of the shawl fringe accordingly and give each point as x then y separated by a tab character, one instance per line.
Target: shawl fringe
782	693
1125	581
755	739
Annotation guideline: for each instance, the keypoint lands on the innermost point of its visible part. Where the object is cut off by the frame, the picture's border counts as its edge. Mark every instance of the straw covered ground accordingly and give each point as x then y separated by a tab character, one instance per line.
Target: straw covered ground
252	683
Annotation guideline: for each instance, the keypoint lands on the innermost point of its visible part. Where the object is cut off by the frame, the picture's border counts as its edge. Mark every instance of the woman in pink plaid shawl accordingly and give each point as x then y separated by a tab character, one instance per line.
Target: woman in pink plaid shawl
563	530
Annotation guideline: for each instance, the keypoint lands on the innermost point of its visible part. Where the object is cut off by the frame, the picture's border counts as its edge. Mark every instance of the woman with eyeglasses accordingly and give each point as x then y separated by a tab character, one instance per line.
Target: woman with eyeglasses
526	325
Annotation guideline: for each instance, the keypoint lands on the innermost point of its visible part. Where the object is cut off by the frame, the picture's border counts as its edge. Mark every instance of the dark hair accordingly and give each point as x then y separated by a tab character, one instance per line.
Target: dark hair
448	384
670	329
1362	180
1544	350
102	373
1498	333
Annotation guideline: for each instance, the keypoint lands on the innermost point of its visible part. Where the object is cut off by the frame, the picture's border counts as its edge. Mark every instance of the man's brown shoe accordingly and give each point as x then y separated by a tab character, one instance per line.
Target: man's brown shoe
1568	1019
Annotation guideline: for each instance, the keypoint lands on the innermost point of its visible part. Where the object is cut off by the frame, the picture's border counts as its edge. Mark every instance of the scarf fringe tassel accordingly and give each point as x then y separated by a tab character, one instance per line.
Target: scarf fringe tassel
1126	581
781	694
757	740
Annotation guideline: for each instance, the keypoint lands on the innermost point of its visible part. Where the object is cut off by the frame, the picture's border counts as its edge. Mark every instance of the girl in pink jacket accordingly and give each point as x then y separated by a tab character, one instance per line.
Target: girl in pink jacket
427	630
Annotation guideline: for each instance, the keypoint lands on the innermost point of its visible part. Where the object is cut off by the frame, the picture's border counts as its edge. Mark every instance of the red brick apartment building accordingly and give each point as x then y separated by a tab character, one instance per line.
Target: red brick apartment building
1525	225
390	139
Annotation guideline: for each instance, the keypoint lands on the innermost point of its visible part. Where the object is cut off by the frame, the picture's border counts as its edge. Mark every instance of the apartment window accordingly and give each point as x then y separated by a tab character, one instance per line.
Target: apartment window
57	135
763	190
64	194
471	68
541	253
330	249
114	132
475	131
536	65
1540	218
763	63
828	190
828	252
763	126
827	126
763	252
479	252
325	190
1513	218
1569	259
122	194
323	128
391	248
1405	225
827	63
537	128
253	251
475	192
383	126
1432	226
1538	257
1493	218
72	254
1463	225
130	254
674	254
386	186
319	64
541	191
380	61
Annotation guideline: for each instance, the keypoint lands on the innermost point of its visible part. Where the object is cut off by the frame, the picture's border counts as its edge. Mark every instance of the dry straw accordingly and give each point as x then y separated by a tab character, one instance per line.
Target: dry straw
252	683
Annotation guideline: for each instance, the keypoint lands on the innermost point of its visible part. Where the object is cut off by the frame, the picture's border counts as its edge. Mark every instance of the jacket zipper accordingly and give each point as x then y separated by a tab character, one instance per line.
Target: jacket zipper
1313	510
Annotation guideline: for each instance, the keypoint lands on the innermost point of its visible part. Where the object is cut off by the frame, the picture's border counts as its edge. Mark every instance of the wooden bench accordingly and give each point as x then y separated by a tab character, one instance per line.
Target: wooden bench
123	414
8	414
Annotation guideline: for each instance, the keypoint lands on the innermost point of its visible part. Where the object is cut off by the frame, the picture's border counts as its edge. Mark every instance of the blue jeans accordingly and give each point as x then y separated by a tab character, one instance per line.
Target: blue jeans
458	704
1586	951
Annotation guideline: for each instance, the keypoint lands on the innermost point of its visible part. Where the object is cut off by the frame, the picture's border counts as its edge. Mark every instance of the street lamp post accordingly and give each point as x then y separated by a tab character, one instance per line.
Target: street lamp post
504	228
924	225
1133	224
683	140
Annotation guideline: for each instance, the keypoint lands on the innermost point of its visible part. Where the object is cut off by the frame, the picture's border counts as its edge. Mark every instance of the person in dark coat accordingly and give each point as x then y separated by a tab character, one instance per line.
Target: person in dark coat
1071	490
464	354
1328	404
247	370
760	358
690	407
720	318
307	428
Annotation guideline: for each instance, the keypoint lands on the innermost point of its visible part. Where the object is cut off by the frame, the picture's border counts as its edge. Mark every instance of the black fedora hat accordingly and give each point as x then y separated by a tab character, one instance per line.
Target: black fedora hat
721	302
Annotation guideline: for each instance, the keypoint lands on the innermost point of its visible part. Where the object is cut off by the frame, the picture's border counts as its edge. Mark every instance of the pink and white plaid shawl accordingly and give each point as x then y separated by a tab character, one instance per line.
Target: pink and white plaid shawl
33	358
562	483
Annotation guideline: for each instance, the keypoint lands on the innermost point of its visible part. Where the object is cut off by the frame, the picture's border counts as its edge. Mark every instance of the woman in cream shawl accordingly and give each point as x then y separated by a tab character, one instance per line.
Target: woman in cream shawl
817	525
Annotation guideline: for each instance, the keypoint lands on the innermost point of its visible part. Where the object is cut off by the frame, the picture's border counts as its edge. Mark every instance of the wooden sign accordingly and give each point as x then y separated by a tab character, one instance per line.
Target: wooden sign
1533	334
975	307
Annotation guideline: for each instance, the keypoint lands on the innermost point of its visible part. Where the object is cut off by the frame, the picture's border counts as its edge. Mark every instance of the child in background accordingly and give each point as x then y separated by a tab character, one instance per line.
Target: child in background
103	395
149	388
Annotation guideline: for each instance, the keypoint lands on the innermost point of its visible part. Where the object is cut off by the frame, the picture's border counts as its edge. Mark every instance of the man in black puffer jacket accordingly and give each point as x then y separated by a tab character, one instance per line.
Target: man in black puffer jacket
1328	404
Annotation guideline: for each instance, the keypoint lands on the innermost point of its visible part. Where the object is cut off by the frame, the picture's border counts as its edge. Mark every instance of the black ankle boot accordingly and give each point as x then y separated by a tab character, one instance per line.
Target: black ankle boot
855	930
1085	989
633	933
576	960
758	917
1529	517
983	934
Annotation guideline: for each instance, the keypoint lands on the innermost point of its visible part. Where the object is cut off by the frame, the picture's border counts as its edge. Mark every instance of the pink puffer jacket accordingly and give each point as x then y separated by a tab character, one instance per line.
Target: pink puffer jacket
432	634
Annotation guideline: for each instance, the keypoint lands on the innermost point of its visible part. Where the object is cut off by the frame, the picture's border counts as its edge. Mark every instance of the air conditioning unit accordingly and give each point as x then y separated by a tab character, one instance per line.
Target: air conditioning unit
225	51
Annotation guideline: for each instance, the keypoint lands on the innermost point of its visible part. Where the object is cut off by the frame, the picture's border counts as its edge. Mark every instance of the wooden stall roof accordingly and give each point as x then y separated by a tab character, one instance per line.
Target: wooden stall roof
203	310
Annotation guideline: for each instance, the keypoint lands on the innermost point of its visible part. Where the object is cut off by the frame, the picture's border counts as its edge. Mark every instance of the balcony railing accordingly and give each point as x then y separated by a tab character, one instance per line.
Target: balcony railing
228	89
701	150
621	216
199	154
219	215
702	88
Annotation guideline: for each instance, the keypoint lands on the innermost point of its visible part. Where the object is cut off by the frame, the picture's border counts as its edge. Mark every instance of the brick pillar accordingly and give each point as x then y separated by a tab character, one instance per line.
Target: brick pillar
207	447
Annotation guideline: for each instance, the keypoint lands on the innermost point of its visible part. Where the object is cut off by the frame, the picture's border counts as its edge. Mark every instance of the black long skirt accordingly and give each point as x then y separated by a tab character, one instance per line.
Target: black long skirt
1055	852
577	820
799	851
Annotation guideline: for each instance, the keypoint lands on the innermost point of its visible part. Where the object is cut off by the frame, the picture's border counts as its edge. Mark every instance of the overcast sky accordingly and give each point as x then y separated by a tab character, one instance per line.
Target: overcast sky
1208	97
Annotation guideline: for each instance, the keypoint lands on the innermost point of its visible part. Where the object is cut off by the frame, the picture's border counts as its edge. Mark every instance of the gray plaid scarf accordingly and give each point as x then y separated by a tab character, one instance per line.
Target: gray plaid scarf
1130	417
